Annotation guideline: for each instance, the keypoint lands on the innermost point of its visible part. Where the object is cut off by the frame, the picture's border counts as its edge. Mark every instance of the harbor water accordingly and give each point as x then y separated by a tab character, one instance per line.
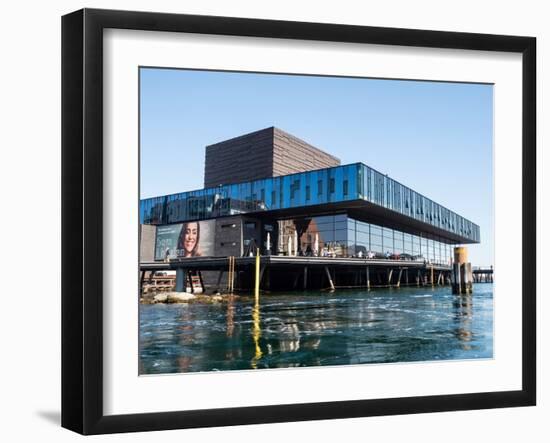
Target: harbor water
345	327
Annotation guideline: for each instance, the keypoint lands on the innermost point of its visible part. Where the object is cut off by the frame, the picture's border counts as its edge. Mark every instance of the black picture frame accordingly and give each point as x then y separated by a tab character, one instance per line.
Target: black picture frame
82	190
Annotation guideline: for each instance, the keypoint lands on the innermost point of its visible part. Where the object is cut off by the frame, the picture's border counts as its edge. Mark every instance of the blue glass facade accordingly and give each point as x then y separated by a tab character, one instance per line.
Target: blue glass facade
383	191
322	186
354	182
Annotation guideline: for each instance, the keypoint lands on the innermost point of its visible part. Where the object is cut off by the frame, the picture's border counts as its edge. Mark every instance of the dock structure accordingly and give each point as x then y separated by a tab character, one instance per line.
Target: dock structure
153	281
483	274
300	273
315	223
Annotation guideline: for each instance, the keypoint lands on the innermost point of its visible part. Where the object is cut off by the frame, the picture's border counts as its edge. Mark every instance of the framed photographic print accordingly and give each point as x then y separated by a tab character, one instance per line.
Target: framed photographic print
268	221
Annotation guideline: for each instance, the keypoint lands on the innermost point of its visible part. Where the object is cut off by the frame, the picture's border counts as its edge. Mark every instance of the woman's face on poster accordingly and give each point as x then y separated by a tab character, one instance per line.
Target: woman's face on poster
190	238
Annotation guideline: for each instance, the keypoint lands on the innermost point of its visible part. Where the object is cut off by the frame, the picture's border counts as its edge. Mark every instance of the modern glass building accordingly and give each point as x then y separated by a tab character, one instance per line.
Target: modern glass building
347	210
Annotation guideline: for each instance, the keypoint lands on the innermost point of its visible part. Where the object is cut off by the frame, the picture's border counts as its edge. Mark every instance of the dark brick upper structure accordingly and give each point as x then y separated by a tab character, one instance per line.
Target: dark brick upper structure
269	152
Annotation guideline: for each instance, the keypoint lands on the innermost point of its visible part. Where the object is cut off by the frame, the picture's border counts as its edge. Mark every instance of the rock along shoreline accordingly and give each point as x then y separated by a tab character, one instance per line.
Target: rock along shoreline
185	298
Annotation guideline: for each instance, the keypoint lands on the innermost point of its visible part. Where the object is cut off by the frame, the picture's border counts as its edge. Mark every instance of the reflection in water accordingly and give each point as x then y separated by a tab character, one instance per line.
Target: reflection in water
315	329
230	316
464	313
256	334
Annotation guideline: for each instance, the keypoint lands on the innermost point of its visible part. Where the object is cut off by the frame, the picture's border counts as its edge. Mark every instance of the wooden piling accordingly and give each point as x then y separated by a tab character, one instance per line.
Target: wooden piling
462	278
468	289
456	279
231	275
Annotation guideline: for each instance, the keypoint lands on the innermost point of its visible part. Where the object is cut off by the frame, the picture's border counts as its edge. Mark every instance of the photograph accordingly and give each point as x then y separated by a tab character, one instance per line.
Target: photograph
289	220
296	218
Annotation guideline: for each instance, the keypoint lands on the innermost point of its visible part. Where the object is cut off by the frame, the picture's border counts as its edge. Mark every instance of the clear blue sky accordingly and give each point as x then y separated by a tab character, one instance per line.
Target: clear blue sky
431	136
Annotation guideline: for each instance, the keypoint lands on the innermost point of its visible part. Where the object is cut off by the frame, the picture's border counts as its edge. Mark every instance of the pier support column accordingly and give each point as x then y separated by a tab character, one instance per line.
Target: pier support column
190	281
399	277
141	280
368	278
305	278
329	278
390	272
262	271
181	275
218	282
268	279
296	278
203	289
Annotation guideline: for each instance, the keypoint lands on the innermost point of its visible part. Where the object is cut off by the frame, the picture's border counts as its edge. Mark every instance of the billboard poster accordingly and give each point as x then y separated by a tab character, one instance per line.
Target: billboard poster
190	239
